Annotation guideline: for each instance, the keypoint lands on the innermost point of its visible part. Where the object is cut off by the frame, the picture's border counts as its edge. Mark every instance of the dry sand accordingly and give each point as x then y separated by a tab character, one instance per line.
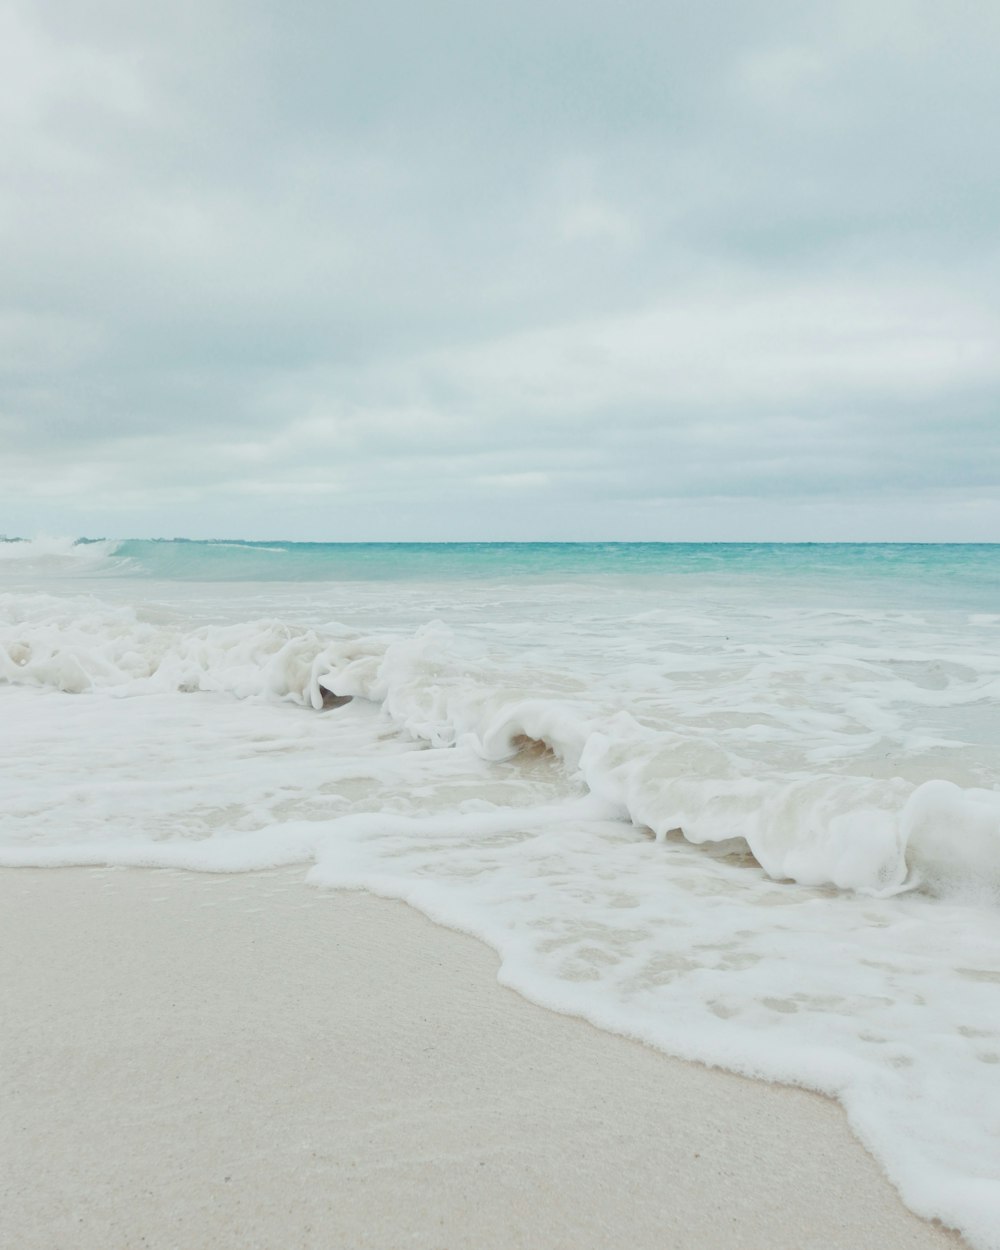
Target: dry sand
195	1061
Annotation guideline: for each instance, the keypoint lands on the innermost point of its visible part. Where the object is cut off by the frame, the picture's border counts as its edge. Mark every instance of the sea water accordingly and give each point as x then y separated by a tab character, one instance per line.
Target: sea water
738	801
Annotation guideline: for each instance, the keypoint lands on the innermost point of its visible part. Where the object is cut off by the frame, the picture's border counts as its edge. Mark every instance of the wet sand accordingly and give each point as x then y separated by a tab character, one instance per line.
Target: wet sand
190	1061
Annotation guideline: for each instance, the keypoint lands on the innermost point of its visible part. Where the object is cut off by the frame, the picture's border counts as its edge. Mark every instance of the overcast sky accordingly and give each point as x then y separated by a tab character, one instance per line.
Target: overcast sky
711	269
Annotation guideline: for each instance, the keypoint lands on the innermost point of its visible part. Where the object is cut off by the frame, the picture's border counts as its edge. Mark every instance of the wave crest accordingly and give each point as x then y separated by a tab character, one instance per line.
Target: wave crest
47	553
855	832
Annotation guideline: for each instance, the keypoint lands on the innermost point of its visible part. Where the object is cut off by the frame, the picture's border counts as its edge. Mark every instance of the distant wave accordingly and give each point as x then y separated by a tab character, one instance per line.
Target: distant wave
53	550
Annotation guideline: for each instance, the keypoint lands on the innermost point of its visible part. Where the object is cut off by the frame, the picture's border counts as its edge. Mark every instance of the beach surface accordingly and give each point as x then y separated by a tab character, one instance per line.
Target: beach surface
195	1060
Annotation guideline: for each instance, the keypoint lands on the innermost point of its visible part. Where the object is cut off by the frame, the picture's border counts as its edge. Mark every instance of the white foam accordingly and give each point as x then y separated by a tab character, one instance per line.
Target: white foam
50	551
811	825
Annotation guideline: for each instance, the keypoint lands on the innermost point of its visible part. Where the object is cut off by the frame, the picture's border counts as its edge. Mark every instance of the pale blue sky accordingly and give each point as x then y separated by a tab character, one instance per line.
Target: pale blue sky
552	270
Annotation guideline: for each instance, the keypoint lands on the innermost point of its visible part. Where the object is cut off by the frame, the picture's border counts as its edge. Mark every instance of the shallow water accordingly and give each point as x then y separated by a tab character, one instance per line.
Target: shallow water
740	802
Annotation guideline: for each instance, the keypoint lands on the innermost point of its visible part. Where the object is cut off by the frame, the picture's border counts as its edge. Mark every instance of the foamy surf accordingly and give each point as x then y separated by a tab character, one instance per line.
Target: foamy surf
732	818
52	555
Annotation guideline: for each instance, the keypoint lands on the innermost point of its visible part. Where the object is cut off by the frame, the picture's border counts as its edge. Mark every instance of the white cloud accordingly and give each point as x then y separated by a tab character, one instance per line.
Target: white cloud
510	270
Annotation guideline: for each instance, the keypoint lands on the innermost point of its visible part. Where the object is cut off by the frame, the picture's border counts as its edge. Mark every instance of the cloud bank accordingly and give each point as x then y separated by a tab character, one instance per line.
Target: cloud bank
441	271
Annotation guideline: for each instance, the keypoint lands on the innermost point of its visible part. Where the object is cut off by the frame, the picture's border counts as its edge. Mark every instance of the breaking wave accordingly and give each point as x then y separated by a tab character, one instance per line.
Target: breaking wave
808	825
52	555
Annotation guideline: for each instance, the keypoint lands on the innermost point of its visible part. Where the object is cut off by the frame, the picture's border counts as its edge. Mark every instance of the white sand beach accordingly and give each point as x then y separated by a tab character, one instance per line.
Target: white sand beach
238	1061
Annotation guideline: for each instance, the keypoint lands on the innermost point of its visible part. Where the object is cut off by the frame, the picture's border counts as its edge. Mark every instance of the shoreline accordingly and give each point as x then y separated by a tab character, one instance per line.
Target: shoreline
243	1061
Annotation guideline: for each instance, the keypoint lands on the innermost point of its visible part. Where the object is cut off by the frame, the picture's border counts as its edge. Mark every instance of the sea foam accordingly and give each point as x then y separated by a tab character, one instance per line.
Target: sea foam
814	825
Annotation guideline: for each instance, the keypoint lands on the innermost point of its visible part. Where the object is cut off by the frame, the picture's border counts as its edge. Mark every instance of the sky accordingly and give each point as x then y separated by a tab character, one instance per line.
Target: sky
688	271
